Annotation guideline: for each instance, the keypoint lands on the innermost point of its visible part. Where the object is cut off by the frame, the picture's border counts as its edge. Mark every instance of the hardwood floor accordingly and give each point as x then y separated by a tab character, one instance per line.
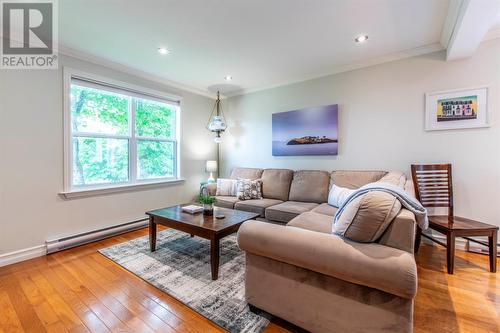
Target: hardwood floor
467	301
79	290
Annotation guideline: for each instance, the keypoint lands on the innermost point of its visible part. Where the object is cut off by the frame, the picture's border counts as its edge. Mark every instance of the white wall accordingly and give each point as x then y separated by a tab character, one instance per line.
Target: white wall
381	124
31	160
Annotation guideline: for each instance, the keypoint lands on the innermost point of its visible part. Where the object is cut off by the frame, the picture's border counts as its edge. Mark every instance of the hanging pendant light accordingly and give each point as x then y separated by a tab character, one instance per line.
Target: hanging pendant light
216	121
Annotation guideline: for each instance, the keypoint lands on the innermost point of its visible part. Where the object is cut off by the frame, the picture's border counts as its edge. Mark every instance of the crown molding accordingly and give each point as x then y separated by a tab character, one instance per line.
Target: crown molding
81	55
431	48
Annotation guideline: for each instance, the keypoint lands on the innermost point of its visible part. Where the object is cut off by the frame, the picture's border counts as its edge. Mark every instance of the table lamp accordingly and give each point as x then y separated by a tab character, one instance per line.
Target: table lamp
211	167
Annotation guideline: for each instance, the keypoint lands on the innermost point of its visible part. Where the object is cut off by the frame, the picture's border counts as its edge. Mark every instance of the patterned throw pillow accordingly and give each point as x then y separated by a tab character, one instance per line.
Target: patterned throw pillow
249	189
226	187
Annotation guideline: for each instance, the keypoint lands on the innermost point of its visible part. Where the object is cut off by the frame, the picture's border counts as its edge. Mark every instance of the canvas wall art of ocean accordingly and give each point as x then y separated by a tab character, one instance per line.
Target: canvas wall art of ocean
308	131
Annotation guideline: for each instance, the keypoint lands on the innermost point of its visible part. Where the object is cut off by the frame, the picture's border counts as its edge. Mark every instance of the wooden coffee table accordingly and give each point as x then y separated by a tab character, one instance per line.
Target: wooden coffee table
200	225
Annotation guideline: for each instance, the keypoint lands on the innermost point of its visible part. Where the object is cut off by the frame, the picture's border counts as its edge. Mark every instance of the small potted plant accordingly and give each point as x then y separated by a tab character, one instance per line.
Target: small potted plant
208	203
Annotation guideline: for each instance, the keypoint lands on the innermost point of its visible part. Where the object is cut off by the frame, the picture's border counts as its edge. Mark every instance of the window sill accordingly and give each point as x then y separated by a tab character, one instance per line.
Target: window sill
89	192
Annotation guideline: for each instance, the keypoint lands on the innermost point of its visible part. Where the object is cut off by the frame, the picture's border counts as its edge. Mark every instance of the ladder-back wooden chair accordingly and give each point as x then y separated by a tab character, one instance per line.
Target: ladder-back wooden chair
433	188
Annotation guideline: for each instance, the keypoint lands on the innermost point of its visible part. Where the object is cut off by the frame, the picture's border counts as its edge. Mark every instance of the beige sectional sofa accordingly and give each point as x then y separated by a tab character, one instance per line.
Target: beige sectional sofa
303	273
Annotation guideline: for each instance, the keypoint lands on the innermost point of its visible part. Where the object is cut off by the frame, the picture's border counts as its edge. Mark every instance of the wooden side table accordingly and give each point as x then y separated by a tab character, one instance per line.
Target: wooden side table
453	227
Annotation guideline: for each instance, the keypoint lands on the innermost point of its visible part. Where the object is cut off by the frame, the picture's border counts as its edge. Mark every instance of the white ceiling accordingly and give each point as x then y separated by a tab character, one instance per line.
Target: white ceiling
261	43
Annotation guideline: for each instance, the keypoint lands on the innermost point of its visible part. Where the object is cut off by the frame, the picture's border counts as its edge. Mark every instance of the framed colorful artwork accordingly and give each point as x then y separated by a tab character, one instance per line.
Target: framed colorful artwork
457	109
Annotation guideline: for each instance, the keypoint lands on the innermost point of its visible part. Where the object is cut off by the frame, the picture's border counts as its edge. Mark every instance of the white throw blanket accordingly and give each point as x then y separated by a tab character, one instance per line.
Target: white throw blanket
406	200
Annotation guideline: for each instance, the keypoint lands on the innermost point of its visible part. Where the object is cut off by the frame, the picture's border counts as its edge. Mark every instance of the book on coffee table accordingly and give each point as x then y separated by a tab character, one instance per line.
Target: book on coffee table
193	209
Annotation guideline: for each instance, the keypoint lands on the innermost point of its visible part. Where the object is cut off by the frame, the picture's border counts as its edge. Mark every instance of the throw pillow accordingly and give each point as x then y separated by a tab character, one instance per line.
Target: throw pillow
249	189
338	195
365	218
226	187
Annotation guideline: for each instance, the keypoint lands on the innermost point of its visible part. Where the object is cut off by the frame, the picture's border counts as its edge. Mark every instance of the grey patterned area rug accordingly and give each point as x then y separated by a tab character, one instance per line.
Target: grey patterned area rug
181	267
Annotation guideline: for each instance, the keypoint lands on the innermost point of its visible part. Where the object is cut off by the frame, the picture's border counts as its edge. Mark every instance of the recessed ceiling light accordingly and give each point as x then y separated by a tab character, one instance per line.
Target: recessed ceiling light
163	50
361	39
228	77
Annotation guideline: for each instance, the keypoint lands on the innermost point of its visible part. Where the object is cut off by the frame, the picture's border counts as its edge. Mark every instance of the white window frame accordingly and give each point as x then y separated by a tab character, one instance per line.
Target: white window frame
71	191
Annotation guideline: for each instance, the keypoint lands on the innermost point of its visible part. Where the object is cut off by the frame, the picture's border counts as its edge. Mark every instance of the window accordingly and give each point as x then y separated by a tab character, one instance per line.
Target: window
118	135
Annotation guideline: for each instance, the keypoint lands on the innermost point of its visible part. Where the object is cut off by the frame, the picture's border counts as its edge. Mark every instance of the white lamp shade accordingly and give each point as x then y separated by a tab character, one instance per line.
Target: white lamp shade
211	166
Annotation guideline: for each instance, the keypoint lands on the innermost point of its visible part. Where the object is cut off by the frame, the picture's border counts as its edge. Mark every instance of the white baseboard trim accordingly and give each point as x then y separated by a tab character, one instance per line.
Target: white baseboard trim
69	242
22	255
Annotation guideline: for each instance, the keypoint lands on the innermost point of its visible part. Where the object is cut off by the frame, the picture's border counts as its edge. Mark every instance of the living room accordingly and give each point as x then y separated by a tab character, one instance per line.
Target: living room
341	158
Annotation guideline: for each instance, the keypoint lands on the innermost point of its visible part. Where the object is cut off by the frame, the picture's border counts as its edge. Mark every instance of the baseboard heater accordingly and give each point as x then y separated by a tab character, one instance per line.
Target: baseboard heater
64	243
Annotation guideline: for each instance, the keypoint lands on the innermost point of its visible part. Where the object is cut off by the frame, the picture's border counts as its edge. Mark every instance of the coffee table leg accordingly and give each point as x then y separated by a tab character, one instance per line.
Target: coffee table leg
493	251
214	257
152	234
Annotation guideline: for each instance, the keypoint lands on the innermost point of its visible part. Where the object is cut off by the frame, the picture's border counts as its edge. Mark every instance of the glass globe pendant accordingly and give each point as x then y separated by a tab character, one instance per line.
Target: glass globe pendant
216	121
217	124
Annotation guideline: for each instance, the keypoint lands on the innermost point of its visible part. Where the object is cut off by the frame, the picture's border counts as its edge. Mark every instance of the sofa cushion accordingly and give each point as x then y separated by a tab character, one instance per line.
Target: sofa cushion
286	211
365	218
246	173
256	206
325	209
355	179
226	201
276	183
247	189
313	221
309	186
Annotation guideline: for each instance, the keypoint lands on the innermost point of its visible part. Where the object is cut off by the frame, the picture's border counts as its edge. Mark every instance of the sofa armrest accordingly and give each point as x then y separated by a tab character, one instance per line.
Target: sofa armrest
401	232
372	265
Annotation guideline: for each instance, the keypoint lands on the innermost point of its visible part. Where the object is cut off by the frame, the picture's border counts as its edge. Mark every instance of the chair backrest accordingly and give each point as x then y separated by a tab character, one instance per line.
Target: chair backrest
433	185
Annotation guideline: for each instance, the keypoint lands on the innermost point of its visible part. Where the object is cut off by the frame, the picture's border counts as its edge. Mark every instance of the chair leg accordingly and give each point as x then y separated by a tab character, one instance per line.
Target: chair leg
418	238
492	240
450	252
